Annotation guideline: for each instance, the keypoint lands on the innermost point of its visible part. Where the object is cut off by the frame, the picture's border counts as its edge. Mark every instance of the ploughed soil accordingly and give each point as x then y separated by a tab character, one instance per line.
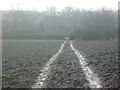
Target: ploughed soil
23	60
66	71
102	57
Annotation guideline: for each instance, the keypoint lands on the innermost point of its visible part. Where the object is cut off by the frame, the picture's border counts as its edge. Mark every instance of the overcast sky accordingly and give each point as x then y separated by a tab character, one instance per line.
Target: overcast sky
59	4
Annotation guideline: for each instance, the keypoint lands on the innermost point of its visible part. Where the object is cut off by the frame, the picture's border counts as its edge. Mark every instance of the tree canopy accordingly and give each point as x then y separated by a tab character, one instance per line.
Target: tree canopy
77	24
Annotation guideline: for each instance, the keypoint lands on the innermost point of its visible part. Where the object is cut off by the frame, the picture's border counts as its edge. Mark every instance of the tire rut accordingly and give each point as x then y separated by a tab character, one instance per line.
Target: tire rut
66	71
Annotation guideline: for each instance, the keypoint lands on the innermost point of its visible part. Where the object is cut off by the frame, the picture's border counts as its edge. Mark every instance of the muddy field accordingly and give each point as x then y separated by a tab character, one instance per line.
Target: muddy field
66	71
23	61
102	57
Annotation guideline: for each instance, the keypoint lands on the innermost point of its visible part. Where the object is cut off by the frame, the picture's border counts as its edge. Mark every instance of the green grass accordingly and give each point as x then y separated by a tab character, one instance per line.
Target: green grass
39	40
14	40
32	40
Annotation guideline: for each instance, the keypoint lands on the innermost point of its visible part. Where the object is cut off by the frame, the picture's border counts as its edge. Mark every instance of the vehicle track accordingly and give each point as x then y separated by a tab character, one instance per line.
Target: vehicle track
66	71
94	81
46	70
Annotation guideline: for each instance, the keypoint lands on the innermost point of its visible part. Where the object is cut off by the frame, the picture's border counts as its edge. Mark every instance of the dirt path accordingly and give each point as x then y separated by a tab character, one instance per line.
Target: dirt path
67	70
94	81
46	70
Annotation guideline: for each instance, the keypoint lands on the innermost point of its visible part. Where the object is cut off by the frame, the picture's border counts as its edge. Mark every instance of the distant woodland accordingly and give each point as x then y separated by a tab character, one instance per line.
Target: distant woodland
77	24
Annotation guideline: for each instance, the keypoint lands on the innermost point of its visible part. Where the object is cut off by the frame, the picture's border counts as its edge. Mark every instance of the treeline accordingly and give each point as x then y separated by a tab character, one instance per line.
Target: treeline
78	24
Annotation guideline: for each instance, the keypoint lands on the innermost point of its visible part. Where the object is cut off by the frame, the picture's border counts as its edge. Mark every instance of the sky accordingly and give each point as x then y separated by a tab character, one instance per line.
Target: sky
41	5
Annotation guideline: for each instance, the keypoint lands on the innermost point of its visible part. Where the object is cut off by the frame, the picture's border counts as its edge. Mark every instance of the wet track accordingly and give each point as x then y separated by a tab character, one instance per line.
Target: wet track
60	65
66	72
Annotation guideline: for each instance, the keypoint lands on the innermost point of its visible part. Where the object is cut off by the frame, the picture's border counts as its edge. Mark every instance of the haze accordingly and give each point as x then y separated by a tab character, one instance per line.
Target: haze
41	5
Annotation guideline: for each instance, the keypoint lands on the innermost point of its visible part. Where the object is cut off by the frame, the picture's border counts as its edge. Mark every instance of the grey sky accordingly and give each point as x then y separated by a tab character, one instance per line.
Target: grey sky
59	4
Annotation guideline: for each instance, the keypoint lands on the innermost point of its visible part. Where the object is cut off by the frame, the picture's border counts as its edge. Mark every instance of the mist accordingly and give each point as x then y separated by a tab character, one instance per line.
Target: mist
76	24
